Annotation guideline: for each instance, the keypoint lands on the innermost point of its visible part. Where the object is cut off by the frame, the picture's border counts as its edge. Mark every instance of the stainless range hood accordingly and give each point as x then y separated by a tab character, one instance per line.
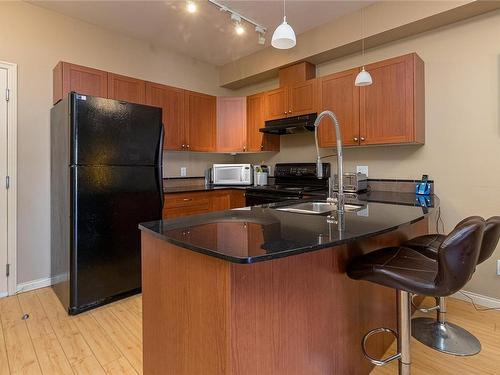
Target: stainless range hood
290	125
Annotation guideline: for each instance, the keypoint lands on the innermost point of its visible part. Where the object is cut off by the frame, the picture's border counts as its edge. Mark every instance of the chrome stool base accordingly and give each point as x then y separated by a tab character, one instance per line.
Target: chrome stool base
445	337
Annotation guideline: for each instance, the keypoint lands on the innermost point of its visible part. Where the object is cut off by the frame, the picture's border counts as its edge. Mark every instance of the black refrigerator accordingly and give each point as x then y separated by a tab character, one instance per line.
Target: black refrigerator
106	178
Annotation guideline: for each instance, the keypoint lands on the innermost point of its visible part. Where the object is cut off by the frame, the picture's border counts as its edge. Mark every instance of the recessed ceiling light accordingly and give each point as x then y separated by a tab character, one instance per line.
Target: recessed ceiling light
191	7
239	29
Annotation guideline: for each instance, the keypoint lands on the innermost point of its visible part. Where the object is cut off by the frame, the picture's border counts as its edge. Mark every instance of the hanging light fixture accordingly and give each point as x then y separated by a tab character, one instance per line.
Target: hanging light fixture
284	36
363	78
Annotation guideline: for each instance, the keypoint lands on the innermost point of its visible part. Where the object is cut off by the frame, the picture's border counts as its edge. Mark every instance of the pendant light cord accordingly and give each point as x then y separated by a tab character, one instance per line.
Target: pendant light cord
362	34
284	10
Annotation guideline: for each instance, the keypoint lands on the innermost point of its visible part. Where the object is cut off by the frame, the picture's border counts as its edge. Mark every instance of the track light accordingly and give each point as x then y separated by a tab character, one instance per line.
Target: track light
259	30
191	7
239	20
236	19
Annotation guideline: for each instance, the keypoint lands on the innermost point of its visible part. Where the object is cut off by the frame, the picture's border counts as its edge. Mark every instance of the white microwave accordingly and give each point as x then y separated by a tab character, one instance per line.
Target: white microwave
232	174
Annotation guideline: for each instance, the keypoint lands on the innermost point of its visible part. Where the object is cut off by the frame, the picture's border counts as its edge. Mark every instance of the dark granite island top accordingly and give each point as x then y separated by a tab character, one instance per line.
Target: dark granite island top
260	291
260	233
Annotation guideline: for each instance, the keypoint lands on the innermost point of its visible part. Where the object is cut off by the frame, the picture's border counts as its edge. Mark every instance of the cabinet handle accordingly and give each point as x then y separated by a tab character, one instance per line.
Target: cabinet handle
183	146
187	146
362	139
244	148
284	113
355	139
290	111
261	147
187	199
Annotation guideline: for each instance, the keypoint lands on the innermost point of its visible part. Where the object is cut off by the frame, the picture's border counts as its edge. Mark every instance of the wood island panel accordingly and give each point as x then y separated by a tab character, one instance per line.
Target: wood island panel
296	315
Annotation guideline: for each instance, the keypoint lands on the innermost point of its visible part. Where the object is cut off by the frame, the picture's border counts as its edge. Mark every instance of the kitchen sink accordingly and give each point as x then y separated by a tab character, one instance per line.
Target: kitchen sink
317	208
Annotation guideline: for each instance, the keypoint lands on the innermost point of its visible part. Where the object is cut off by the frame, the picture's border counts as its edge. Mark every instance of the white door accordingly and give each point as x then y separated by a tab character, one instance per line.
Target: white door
3	172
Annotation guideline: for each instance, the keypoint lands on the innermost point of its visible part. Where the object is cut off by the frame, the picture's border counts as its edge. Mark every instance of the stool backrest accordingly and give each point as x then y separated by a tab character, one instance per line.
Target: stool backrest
458	256
490	238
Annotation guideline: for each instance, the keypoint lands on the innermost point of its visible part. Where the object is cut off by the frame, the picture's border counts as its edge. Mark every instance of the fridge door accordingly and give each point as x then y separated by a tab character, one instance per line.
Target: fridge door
112	132
108	203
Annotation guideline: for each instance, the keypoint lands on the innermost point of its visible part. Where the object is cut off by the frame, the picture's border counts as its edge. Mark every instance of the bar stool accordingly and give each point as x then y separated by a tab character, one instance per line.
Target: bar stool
408	271
437	333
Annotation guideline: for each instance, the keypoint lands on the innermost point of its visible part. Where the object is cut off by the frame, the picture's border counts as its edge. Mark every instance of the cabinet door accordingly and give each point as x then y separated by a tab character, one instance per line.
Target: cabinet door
338	94
221	200
171	101
126	88
256	140
276	104
386	115
70	77
302	98
231	124
200	121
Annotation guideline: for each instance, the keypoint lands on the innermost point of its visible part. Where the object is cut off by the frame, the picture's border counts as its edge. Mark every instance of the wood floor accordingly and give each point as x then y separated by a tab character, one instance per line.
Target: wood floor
108	340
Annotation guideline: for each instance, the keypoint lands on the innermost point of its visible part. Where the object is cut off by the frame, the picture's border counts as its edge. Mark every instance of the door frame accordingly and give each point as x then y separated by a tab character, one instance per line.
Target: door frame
12	173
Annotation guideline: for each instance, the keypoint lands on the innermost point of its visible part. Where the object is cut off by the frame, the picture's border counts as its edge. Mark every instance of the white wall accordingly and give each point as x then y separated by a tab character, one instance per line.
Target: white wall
36	39
462	150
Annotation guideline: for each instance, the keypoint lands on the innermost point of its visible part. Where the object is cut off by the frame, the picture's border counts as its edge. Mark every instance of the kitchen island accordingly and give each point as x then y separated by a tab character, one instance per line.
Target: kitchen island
261	291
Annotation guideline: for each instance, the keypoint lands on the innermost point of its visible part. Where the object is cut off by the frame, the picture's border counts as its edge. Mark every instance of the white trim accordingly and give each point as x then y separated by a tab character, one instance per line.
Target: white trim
34	284
478	299
12	173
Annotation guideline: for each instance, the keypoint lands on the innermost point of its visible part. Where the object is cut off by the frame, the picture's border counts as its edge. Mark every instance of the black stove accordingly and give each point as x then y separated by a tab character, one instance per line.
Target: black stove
293	181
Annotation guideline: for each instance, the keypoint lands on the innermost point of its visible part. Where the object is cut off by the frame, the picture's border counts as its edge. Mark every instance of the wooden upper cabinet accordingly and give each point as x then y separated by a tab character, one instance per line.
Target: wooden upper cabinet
231	124
200	121
276	103
126	88
392	108
302	98
71	77
338	94
256	140
296	73
171	101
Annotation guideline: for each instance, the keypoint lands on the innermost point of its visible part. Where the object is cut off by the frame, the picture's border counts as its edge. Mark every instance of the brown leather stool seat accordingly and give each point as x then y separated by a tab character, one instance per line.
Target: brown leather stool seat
409	271
438	333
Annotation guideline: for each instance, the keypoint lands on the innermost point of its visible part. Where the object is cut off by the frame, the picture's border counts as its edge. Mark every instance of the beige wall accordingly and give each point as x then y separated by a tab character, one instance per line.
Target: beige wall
36	39
462	150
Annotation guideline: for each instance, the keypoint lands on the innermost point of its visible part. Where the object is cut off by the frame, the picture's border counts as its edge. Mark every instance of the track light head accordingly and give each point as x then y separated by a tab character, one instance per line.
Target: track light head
191	7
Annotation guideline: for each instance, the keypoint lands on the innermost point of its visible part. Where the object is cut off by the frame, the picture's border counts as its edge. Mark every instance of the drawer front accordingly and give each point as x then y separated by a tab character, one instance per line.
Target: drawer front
186	200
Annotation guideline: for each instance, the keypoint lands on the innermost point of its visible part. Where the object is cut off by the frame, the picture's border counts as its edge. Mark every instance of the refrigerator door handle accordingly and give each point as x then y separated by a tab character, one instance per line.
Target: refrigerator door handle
160	166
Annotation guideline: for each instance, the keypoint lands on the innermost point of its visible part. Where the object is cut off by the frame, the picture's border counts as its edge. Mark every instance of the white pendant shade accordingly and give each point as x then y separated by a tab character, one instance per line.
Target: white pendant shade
363	78
284	36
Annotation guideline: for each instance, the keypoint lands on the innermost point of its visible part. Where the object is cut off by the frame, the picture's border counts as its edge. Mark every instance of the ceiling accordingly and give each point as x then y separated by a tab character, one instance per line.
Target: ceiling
207	35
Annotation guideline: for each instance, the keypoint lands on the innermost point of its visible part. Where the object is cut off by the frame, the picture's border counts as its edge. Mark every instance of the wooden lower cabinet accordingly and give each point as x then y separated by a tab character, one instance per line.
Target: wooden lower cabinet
200	202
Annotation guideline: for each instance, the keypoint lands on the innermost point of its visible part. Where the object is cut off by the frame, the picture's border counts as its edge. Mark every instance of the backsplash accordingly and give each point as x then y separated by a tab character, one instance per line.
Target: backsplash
195	163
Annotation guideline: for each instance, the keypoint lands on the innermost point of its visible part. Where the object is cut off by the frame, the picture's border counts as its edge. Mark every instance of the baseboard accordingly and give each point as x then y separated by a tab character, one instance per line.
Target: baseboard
478	299
34	284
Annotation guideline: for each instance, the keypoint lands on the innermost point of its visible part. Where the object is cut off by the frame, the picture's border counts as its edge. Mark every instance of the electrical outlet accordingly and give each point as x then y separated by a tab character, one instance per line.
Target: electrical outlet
183	171
498	267
362	169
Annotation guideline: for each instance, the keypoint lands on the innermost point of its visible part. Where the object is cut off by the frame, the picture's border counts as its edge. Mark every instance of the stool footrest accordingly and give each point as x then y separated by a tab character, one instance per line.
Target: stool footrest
379	362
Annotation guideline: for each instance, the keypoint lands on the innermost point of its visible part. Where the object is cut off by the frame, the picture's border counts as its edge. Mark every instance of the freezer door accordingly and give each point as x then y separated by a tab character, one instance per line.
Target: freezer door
108	203
112	132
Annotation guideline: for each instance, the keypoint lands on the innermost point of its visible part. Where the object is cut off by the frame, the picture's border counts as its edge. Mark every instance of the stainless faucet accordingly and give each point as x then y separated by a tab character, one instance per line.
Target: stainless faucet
340	163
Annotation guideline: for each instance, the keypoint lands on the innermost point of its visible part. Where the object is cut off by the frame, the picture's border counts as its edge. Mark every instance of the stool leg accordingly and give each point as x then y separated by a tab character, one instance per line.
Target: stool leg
404	331
444	336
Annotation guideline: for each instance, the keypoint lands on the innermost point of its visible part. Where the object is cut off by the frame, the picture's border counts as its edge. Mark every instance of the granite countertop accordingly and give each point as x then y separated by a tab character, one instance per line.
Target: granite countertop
261	233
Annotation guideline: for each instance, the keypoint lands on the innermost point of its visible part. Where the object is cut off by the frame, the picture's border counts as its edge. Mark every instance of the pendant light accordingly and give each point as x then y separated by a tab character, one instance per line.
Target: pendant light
363	78
284	36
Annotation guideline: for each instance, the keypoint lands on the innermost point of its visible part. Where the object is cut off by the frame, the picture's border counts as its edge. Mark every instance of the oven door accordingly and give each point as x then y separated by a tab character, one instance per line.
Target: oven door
254	199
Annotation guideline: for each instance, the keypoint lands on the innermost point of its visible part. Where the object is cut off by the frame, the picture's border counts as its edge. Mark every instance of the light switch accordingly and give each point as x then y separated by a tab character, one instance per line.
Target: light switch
183	171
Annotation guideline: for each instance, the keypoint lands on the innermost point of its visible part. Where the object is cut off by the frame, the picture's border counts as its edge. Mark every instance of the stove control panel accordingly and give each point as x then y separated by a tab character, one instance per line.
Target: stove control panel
302	170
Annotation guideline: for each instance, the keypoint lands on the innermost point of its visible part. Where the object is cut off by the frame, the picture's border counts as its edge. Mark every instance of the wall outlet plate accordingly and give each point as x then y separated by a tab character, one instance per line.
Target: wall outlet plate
362	169
183	171
498	267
